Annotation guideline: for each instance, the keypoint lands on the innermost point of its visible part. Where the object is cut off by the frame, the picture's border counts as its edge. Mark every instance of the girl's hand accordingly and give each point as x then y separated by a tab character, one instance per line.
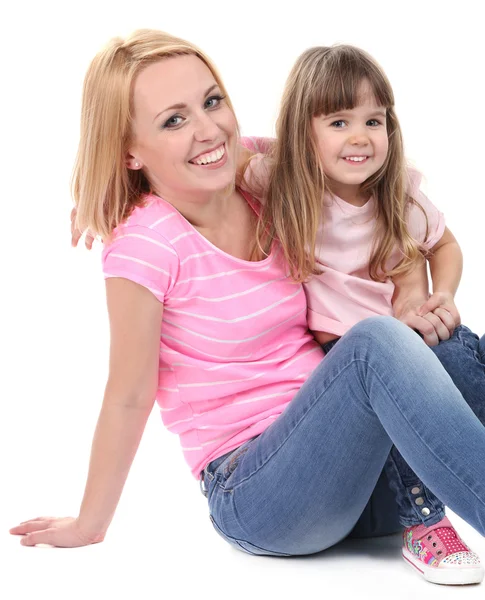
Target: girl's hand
64	533
76	234
432	328
442	305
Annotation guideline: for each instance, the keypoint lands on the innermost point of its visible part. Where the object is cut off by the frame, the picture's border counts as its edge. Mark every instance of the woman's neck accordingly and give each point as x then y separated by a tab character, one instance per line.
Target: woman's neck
203	211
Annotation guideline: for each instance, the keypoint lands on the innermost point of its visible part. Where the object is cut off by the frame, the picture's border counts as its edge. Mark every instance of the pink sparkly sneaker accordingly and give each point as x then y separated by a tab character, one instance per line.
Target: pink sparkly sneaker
440	555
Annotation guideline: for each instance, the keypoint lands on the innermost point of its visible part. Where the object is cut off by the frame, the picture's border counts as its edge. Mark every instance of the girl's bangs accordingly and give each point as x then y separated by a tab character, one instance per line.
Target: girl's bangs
340	87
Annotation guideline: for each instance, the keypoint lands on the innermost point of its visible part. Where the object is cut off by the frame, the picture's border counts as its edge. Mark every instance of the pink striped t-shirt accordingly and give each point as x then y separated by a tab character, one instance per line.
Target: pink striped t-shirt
234	346
344	293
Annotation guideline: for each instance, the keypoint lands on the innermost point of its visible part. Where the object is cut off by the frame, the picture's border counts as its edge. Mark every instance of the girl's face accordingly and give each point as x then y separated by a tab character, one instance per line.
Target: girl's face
184	132
352	144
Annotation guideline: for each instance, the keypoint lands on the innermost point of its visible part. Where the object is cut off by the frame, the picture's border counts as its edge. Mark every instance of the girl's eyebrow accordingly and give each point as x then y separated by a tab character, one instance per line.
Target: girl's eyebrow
342	113
379	113
334	115
181	105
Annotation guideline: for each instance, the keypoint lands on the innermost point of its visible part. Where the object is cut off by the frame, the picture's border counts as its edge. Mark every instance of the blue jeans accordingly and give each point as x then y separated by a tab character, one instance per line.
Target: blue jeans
304	484
463	357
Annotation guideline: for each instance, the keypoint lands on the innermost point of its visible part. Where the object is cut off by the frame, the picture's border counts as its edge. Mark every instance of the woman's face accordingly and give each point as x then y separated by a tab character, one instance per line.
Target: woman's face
184	132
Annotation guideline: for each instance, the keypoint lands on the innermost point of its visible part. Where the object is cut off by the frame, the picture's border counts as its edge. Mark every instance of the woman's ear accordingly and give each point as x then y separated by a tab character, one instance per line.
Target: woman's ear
133	163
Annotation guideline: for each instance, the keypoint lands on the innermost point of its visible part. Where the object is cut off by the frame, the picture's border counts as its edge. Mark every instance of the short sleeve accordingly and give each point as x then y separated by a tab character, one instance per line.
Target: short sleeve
427	230
143	256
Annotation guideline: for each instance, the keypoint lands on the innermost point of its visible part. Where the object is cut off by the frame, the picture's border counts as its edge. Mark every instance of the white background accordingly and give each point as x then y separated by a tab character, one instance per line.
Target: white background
54	332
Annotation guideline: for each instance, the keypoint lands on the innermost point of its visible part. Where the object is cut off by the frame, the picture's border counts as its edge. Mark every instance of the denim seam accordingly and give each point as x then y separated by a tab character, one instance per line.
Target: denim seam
437	510
239	542
271	553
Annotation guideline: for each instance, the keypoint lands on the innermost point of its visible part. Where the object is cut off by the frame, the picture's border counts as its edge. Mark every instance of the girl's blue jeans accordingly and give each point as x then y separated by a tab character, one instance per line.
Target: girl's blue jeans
321	471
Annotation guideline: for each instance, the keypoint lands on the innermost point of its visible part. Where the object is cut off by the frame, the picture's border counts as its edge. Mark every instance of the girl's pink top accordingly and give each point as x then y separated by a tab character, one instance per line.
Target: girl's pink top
344	293
234	343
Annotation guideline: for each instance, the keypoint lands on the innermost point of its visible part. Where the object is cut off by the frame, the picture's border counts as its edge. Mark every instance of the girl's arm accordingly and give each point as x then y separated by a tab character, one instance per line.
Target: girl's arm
446	266
410	289
135	322
410	293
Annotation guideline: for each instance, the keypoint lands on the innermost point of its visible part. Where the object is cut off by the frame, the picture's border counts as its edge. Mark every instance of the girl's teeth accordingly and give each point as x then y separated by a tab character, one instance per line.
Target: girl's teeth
356	158
212	157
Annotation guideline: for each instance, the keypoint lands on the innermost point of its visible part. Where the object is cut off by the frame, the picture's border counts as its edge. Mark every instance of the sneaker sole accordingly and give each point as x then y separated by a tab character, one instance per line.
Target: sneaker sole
445	575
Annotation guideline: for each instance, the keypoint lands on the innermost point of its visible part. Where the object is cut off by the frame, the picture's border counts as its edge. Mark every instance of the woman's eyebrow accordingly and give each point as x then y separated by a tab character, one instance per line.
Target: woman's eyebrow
183	105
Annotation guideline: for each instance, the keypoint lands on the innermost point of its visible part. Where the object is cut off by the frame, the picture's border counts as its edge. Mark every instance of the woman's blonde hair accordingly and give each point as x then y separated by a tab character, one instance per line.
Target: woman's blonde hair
105	190
326	80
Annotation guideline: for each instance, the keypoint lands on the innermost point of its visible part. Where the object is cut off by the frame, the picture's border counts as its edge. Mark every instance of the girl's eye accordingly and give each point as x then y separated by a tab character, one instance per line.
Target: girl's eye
172	122
213	101
338	124
373	123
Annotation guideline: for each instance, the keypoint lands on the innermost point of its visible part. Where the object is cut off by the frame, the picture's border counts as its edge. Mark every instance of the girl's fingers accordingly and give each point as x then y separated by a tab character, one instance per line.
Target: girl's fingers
431	339
73	219
75	237
430	305
447	318
424	327
441	329
89	241
453	312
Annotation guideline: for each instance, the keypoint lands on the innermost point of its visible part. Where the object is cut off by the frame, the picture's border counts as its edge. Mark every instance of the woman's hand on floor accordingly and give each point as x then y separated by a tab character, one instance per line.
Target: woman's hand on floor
63	533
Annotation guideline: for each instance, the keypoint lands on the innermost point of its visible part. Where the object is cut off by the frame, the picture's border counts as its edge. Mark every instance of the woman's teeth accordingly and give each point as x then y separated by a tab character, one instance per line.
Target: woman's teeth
211	157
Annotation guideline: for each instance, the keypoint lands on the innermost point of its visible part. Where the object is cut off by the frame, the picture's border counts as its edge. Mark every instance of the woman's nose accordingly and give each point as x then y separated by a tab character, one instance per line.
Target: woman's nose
206	128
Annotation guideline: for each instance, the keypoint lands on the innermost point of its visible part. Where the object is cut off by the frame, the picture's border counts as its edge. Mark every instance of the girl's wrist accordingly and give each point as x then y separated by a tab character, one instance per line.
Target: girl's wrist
445	293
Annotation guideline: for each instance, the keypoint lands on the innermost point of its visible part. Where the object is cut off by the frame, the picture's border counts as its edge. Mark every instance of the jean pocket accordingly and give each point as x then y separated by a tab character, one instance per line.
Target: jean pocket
227	468
244	545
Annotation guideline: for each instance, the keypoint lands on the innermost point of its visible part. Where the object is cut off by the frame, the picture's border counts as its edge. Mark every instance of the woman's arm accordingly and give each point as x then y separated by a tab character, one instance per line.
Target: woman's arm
135	322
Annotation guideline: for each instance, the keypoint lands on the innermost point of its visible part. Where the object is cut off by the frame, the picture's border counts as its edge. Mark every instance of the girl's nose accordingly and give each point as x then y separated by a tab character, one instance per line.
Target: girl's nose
359	139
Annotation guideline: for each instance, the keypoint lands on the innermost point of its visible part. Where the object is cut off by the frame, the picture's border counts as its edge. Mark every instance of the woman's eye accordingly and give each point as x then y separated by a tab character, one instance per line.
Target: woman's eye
172	122
338	124
213	101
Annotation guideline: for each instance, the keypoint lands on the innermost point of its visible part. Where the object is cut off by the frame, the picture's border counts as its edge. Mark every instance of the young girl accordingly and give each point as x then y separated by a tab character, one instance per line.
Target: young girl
289	448
338	139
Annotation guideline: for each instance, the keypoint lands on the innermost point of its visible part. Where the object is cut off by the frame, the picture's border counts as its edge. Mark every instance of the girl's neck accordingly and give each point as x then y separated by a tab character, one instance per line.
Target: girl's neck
351	194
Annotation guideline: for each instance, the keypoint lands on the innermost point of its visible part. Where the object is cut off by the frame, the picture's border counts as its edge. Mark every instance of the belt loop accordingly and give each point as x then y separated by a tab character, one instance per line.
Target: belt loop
203	489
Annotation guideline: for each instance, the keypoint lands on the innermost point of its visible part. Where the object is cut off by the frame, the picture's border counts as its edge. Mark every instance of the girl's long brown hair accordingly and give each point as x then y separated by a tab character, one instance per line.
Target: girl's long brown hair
325	80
